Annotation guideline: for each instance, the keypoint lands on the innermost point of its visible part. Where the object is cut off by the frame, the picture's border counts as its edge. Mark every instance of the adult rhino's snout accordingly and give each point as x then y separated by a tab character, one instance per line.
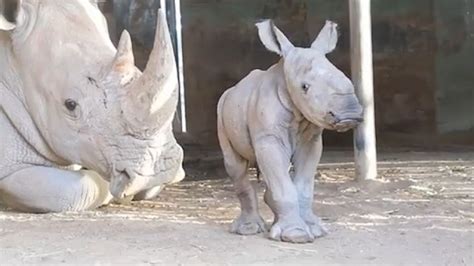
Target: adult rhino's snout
125	183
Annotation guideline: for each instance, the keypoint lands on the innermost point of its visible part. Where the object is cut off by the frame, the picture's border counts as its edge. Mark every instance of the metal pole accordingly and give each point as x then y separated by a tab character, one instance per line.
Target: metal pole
362	76
173	10
179	48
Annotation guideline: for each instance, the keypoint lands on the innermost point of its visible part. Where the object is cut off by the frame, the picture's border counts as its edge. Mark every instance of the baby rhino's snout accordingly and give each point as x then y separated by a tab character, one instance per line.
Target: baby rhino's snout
347	117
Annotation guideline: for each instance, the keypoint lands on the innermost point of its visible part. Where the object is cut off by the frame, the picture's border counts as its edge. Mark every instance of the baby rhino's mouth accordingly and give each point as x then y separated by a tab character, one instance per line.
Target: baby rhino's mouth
347	124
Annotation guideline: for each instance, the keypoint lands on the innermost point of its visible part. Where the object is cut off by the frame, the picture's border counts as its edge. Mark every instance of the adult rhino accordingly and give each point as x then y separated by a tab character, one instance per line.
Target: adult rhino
275	118
68	96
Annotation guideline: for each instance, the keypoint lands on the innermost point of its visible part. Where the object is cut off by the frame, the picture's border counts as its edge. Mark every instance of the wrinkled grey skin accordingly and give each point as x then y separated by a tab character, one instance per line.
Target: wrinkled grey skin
68	96
274	119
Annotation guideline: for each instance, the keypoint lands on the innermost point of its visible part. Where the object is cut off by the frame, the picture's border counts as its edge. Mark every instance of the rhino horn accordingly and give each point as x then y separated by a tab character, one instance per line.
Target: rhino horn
124	60
161	63
154	94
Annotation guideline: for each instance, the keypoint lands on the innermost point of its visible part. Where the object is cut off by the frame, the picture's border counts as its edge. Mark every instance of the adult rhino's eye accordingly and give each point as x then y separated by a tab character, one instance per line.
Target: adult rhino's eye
71	105
305	87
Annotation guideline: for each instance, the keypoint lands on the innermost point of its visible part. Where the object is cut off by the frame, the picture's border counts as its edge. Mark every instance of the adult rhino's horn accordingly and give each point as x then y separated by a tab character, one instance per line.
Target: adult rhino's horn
124	60
154	94
161	63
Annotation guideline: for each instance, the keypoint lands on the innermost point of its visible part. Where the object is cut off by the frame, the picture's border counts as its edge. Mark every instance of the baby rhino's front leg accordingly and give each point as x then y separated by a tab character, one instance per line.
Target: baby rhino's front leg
282	197
305	162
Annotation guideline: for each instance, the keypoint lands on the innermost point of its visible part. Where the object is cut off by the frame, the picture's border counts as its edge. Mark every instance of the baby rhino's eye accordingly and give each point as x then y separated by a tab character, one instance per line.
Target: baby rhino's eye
70	104
305	87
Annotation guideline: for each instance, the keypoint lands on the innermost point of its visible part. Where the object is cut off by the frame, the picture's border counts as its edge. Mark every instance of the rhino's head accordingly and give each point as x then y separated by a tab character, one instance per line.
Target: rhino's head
89	101
320	91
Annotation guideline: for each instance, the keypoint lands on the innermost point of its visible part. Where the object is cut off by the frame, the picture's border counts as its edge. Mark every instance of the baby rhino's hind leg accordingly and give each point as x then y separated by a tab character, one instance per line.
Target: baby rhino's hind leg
249	222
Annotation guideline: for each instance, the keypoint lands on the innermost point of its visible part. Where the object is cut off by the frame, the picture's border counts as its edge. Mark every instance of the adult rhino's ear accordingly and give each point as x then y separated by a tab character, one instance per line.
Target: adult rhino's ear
273	39
327	39
9	10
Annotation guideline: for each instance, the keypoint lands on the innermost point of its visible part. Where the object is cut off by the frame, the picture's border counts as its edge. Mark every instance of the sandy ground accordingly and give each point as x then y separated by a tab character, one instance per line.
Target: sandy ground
420	213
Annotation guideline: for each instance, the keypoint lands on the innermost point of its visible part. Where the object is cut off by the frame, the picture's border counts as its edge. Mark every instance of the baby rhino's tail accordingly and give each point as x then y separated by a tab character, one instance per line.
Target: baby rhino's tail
223	140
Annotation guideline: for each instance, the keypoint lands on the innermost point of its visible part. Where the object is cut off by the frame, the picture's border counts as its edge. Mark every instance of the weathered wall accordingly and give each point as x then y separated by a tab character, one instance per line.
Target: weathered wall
404	49
455	66
416	86
221	47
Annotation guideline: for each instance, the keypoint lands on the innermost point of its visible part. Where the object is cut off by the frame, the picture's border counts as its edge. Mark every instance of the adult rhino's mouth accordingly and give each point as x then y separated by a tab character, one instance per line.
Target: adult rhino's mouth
125	184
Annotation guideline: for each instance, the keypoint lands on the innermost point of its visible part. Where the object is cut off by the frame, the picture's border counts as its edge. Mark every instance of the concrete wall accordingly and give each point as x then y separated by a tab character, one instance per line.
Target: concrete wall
418	75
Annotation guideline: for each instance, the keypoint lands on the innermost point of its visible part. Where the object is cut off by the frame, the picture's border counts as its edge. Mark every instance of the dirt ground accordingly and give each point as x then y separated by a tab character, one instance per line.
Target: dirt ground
420	213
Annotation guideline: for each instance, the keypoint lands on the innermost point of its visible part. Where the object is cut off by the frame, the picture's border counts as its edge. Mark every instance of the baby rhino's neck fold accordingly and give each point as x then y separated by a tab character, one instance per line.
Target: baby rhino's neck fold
283	94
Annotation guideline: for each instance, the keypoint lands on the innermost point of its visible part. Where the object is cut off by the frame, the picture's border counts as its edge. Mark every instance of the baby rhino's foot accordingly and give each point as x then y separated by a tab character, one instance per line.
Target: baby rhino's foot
248	225
315	225
293	231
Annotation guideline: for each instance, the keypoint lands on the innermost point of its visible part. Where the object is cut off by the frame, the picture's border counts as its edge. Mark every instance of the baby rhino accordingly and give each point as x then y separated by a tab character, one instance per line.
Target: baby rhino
274	119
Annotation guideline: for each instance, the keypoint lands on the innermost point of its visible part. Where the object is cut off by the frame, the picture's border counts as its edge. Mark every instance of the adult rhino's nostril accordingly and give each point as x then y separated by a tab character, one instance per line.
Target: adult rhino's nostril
125	174
332	117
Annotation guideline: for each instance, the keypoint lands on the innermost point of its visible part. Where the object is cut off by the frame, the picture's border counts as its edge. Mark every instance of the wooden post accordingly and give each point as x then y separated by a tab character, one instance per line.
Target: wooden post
362	76
163	5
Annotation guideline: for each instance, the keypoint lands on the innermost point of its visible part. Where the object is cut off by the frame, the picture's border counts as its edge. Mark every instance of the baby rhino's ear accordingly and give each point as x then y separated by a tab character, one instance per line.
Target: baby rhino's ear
327	39
273	39
9	10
